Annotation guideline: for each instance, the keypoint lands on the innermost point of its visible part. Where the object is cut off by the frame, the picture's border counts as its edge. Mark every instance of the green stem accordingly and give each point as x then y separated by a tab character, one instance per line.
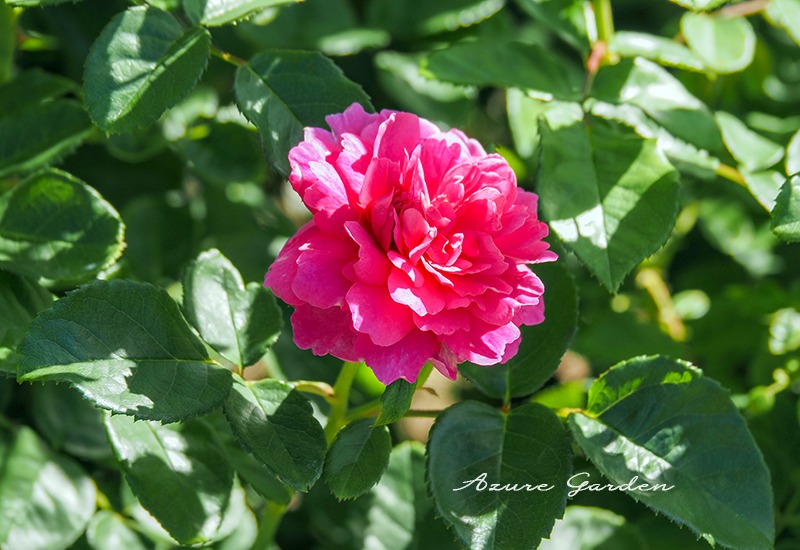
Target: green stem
373	408
604	19
423	413
732	174
271	518
8	41
341	392
227	57
317	388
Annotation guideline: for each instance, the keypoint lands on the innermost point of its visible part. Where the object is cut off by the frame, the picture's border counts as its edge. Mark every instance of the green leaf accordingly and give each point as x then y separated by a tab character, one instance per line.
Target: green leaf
586	528
142	63
69	421
282	91
20	301
663	97
473	446
786	214
764	186
46	499
786	14
401	513
655	48
661	421
127	347
223	153
750	149
793	155
214	13
110	530
701	5
784	331
723	44
178	473
609	195
82	234
31	88
504	65
240	322
41	135
395	401
37	3
542	345
277	425
407	19
565	17
357	458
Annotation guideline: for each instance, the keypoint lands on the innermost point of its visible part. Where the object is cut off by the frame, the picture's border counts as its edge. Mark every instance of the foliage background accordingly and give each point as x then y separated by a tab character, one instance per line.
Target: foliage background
722	292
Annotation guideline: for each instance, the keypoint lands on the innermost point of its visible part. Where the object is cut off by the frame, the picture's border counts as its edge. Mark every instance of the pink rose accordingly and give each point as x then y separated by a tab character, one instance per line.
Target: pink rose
417	250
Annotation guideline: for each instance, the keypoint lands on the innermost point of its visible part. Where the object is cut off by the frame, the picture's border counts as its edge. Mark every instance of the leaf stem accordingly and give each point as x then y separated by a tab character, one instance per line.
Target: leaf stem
317	388
423	413
732	174
227	57
341	392
651	279
743	9
564	412
271	518
604	20
8	42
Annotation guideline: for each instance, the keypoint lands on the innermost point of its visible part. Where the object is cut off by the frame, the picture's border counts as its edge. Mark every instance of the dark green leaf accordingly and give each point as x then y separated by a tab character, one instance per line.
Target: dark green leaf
240	322
214	13
750	149
585	528
409	18
41	135
110	530
20	301
56	227
565	17
46	499
655	48
223	153
127	347
395	401
655	91
661	421
786	215
69	421
282	91
357	458
473	446
276	423
141	64
505	65
542	345
31	88
37	3
177	471
723	44
610	195
786	14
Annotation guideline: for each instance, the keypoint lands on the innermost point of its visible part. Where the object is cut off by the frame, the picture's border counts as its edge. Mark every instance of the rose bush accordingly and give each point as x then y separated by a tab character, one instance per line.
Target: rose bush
417	249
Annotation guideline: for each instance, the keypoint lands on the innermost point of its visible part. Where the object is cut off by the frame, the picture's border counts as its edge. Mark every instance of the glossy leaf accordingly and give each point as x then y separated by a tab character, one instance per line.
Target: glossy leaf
277	425
473	442
408	18
46	499
786	14
663	97
395	401
655	48
357	458
764	186
281	92
165	462
750	149
504	65
723	44
662	421
565	17
141	64
20	300
586	528
214	13
41	135
240	322
701	5
83	233
542	345
609	195
793	155
127	347
786	215
110	530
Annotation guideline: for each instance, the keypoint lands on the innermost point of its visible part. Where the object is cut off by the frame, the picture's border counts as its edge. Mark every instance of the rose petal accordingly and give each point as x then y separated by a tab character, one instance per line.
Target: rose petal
337	338
404	359
376	314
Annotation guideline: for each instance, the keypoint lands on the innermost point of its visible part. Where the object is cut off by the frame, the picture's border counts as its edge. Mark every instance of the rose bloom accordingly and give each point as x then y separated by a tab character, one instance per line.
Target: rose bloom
417	250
